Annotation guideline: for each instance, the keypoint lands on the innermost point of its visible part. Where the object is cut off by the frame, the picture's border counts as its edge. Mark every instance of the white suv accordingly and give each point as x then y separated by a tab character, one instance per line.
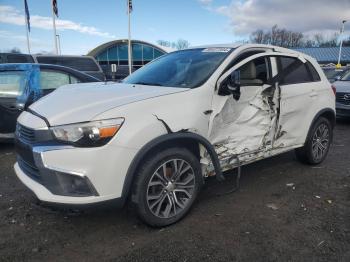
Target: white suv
190	114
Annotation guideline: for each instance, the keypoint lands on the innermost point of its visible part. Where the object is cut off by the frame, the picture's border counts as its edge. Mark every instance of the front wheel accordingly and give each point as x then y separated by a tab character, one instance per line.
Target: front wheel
167	185
317	144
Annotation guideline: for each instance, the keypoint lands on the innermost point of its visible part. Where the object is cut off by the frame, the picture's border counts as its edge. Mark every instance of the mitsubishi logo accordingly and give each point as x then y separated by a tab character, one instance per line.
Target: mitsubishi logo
347	97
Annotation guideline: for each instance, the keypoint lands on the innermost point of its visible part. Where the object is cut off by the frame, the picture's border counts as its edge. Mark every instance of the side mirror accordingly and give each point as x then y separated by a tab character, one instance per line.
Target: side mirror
231	85
337	78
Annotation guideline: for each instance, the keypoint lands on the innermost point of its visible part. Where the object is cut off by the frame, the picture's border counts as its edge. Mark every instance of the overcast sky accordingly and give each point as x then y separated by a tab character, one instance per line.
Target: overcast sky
83	24
300	15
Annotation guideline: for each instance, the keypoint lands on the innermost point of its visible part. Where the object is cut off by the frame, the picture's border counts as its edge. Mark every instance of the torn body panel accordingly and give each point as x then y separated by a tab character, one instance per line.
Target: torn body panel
245	128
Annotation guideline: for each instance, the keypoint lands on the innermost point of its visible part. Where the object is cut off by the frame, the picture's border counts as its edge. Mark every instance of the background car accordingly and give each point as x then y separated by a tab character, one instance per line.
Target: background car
85	64
22	84
343	96
333	74
16	58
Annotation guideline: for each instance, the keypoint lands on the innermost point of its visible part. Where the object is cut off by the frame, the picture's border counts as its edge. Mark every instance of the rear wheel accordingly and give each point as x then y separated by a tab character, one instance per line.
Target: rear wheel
166	186
317	144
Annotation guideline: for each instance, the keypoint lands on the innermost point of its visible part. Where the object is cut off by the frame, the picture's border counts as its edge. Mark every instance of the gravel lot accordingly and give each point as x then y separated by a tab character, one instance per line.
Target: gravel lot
266	220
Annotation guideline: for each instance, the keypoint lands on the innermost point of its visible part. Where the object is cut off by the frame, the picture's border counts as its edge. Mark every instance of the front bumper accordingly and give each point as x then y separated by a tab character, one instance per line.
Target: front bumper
102	169
7	137
342	110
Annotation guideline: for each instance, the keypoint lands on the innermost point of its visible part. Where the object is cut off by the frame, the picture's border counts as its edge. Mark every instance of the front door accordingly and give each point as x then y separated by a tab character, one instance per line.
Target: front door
248	126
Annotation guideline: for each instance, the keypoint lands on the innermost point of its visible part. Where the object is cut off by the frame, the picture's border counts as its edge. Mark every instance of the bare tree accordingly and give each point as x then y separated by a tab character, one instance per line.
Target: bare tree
179	44
164	43
346	42
287	38
257	36
182	44
15	50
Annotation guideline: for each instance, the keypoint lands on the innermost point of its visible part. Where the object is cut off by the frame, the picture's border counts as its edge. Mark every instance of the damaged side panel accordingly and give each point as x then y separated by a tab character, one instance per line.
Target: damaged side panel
245	128
251	128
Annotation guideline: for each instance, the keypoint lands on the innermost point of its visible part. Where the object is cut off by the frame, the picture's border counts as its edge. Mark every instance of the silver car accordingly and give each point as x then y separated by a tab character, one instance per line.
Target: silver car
343	96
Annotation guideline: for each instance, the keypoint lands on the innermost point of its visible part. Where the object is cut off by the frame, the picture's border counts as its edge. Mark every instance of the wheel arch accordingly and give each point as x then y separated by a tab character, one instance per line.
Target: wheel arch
327	113
185	139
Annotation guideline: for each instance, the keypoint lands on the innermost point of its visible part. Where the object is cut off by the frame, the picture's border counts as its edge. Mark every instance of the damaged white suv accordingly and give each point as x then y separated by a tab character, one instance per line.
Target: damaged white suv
187	115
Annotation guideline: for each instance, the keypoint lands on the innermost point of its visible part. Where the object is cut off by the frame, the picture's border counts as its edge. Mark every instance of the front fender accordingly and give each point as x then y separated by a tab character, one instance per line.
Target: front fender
171	137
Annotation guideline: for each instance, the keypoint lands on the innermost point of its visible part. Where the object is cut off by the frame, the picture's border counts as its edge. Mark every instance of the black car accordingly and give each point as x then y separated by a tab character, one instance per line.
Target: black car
334	74
85	64
23	84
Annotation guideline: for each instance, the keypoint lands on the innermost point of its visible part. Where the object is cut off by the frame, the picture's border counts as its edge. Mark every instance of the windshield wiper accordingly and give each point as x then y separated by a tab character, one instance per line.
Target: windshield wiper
147	84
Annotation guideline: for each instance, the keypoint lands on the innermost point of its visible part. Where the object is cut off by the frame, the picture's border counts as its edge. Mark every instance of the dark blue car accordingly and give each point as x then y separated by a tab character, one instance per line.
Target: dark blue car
23	84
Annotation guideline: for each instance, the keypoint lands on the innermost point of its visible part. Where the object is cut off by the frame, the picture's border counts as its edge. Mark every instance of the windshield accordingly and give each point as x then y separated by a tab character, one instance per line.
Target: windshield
346	77
10	83
185	68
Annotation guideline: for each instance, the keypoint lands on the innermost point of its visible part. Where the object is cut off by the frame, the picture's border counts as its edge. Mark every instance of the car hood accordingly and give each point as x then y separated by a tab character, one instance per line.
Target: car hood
342	86
82	102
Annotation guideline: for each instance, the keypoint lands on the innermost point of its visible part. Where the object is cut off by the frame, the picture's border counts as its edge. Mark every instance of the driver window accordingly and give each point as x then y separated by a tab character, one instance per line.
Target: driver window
255	72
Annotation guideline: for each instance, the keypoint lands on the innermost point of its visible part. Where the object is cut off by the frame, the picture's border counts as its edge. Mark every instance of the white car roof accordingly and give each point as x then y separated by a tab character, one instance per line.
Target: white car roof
275	48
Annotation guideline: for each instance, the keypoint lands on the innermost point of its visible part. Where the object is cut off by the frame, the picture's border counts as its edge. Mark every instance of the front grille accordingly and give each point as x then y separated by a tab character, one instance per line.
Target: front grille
343	98
29	169
25	134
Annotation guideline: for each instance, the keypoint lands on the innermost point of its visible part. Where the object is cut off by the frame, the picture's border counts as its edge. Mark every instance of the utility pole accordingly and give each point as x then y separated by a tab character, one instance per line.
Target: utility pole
27	22
129	6
27	30
59	44
54	27
341	43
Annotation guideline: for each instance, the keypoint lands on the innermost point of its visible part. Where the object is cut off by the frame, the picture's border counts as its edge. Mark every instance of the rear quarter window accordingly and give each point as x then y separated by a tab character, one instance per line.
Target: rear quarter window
313	72
302	74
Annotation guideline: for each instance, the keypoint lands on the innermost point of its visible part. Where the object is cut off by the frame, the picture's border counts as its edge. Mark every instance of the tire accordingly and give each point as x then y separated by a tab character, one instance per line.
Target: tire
317	143
162	196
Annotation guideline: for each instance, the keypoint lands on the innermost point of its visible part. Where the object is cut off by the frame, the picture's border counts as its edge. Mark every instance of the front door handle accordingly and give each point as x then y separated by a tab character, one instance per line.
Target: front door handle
208	112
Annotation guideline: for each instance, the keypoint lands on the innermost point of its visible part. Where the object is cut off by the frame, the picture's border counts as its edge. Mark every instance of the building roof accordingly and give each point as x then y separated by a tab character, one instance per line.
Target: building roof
102	47
327	54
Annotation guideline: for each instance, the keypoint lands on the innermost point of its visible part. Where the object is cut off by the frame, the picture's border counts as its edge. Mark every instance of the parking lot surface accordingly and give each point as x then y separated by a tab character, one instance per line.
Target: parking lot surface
283	211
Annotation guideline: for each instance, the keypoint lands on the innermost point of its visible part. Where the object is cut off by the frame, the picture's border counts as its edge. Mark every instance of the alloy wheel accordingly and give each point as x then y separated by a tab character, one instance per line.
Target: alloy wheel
320	141
170	188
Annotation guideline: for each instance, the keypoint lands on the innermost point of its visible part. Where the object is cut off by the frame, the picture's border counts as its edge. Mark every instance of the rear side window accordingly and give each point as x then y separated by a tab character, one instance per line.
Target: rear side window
78	63
298	75
10	83
313	72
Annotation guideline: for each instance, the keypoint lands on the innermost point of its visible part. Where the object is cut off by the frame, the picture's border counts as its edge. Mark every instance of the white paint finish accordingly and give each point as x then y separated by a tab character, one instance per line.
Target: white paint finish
31	121
180	111
104	166
82	102
45	195
297	110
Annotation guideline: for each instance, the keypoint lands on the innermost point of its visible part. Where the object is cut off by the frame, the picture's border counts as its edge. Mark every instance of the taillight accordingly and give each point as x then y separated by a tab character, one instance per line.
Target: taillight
334	89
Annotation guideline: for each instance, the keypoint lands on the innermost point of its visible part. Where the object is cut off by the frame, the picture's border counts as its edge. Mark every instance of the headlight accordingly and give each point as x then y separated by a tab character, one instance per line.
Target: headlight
95	133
